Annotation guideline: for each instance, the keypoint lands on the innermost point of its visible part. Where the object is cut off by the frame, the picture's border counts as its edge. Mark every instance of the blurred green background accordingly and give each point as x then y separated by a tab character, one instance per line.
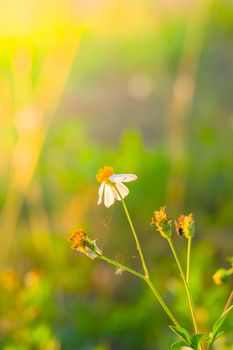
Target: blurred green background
143	86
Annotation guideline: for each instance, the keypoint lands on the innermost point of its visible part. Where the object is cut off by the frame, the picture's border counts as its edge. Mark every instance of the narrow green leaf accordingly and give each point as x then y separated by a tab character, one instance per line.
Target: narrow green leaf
210	339
218	324
182	333
178	344
196	340
215	333
219	335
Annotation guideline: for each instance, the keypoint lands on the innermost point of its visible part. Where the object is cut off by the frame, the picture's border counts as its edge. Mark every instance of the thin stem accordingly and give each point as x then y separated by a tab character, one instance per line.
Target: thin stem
185	284
135	237
227	310
229	300
128	269
149	282
188	259
162	303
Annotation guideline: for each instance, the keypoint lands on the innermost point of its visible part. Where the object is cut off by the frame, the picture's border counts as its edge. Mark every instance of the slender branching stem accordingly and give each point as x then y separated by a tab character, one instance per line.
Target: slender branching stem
162	303
188	259
227	310
228	303
117	264
148	281
138	246
185	284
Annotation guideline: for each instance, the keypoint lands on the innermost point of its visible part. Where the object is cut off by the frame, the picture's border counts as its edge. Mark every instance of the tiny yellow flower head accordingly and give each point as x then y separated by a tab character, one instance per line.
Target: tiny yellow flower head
104	174
185	226
162	222
221	277
83	244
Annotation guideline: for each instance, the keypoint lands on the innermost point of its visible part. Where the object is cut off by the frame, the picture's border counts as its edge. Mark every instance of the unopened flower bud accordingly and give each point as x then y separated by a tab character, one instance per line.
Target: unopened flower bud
162	222
221	277
83	244
185	226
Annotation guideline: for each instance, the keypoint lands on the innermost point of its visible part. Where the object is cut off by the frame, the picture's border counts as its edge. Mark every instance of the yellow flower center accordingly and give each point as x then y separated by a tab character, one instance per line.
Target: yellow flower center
104	173
79	239
160	217
185	226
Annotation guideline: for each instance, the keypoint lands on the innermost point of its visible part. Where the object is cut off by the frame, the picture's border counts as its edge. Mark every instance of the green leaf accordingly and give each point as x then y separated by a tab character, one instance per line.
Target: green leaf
219	335
178	344
196	340
217	325
182	333
210	339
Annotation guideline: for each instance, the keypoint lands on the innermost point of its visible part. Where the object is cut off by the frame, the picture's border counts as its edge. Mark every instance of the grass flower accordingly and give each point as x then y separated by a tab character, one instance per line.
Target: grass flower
83	244
162	222
112	186
185	226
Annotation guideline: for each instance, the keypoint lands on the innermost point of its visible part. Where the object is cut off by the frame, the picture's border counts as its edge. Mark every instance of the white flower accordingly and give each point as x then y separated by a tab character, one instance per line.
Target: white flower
111	185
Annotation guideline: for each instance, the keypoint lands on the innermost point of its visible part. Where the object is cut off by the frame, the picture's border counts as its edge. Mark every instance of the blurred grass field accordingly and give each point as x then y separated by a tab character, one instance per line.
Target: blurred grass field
145	87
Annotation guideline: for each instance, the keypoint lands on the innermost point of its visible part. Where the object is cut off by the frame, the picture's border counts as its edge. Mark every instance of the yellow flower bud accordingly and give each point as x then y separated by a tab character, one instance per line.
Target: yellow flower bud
221	277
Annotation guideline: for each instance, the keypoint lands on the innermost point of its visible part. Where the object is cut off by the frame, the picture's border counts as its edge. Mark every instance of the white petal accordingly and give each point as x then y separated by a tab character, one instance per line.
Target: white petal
122	177
115	193
122	189
101	190
108	196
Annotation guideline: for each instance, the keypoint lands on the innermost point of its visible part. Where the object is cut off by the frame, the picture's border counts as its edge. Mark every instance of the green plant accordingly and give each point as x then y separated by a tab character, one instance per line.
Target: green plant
111	189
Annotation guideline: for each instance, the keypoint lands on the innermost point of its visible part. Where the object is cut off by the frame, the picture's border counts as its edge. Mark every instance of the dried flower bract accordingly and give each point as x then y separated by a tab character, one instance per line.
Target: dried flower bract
83	244
162	222
185	226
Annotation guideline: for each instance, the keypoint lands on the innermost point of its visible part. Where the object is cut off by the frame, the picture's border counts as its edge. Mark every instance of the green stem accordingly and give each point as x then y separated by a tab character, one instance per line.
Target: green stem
149	282
227	310
135	237
128	269
188	259
162	303
229	300
185	284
